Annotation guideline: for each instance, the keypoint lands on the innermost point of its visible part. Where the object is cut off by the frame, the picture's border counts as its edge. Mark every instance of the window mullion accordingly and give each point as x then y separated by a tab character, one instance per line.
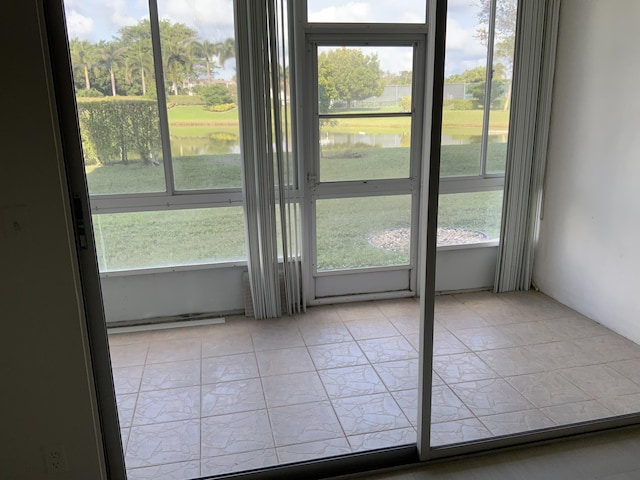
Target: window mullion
163	116
487	89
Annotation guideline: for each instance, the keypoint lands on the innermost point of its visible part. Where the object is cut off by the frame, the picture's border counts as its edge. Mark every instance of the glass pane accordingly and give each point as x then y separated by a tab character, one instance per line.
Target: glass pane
364	80
169	238
372	11
117	105
198	50
354	156
363	232
465	81
469	217
366	147
503	50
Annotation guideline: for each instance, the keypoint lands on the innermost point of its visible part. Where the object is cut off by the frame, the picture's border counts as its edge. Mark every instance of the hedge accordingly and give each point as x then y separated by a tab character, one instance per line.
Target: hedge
118	129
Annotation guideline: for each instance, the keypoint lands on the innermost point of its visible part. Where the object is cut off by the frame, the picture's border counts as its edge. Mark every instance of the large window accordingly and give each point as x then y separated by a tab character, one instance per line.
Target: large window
156	95
157	102
476	101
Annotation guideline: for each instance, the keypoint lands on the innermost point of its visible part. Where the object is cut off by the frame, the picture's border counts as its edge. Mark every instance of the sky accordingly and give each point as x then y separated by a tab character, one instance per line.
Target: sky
96	20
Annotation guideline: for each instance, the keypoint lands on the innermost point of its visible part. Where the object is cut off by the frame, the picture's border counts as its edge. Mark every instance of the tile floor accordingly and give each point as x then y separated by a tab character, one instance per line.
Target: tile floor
202	401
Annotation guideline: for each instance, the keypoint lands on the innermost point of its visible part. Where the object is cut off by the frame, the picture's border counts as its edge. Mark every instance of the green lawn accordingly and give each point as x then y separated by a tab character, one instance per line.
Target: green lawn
345	227
223	171
167	238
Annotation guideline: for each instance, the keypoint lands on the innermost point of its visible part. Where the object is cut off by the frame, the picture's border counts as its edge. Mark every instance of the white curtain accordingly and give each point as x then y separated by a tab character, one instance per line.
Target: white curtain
534	62
269	169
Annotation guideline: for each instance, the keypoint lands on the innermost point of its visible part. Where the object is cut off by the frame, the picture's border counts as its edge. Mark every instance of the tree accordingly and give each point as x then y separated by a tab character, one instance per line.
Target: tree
216	94
207	51
475	79
178	49
478	91
348	74
83	57
139	54
225	50
405	77
504	34
472	75
110	55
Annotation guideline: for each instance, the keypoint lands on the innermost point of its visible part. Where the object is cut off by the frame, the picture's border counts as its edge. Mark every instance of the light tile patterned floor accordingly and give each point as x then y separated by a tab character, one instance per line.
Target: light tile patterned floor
339	379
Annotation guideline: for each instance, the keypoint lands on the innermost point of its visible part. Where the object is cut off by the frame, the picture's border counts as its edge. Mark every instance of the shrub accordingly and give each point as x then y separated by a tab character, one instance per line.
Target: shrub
216	94
405	103
88	151
498	104
92	92
460	104
225	107
115	126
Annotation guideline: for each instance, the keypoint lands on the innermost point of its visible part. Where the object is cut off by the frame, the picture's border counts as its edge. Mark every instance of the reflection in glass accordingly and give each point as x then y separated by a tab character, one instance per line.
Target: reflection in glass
363	232
371	11
198	50
169	238
116	100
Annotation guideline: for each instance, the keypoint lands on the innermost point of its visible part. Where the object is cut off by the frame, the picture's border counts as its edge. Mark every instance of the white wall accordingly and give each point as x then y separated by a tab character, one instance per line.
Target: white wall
172	293
589	251
141	296
466	268
47	394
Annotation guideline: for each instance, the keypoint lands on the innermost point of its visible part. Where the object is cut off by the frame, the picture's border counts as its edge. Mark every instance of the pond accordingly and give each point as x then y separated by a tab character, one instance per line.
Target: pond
221	143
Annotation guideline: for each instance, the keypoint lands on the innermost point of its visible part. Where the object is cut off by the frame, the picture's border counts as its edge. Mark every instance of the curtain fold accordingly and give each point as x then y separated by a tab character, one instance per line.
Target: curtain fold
268	156
534	64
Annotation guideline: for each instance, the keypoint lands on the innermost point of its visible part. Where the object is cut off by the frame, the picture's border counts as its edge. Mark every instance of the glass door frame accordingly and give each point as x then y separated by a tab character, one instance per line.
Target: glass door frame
57	50
401	279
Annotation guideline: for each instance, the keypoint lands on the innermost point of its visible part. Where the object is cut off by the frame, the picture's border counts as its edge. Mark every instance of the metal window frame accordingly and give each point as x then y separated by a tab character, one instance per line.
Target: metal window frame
171	197
361	35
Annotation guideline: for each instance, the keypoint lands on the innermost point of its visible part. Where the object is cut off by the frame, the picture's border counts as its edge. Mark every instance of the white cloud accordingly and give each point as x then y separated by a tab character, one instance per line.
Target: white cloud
464	51
463	4
398	11
396	60
463	39
355	12
78	25
120	16
212	18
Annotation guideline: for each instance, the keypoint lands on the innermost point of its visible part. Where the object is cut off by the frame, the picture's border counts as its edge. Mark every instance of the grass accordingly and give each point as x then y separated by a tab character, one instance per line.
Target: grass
344	226
197	115
168	238
190	172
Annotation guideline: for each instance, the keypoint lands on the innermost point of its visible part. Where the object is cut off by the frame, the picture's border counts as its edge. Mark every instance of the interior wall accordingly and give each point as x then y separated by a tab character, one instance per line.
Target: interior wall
468	268
588	255
47	391
172	293
141	296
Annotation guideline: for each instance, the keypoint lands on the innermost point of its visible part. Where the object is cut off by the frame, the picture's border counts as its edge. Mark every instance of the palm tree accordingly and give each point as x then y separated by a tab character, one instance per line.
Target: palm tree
83	57
110	54
225	50
143	61
137	39
208	51
177	50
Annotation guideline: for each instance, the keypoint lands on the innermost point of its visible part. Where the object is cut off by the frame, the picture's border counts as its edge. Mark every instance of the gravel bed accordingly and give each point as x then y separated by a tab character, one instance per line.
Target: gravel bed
397	239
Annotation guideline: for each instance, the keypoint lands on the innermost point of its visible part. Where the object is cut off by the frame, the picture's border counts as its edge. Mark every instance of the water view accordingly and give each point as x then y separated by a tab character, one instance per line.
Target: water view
216	143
